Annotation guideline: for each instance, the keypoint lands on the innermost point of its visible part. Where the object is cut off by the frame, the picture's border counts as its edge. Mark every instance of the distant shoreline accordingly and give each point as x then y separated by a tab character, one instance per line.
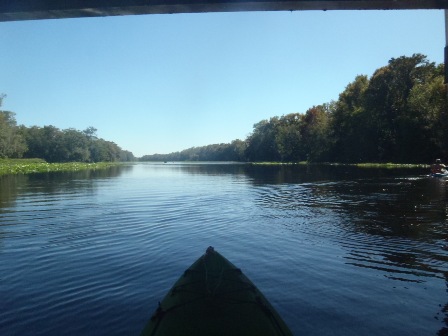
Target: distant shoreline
360	165
31	166
305	163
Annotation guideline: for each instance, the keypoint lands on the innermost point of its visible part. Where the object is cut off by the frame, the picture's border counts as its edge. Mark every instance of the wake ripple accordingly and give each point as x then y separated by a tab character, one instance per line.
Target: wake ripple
377	224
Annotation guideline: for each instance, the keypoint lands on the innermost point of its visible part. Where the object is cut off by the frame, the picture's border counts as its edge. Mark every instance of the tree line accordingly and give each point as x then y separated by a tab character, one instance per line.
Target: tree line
55	145
397	115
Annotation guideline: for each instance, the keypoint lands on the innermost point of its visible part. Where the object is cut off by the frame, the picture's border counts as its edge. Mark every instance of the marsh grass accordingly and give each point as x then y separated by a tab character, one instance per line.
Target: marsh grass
390	165
278	163
30	166
360	165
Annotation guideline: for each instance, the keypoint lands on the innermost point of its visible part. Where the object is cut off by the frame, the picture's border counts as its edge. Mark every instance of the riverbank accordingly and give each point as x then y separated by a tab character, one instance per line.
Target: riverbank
360	165
30	166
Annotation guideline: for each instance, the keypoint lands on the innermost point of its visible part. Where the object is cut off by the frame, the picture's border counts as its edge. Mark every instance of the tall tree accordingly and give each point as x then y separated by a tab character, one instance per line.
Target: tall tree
288	138
428	119
75	145
387	103
12	143
348	124
261	144
316	132
45	143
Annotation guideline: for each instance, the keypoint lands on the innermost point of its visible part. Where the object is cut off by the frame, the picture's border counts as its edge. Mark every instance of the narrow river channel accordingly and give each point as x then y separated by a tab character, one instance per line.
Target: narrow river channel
337	250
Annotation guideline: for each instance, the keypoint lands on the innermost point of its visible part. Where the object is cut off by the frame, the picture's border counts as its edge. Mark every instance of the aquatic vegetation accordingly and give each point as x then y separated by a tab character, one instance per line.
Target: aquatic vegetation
360	165
390	165
29	166
278	163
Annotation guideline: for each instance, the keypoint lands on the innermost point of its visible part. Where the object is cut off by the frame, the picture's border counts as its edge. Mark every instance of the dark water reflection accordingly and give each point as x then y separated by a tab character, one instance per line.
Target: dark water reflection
13	185
393	221
338	250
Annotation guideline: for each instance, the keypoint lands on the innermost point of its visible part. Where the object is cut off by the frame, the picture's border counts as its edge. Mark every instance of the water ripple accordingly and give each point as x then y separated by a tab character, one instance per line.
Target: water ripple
93	256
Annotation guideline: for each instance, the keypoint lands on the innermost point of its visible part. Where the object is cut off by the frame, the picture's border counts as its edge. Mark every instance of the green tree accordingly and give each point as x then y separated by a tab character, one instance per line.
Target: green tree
12	143
90	133
428	119
262	144
348	124
316	133
238	148
126	156
75	146
288	137
45	143
2	97
387	104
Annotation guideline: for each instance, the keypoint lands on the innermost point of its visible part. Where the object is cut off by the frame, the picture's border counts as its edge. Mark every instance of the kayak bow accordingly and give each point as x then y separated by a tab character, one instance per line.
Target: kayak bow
213	297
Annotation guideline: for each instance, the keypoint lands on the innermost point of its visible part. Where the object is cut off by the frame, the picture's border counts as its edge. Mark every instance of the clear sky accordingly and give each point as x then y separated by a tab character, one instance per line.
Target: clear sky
163	83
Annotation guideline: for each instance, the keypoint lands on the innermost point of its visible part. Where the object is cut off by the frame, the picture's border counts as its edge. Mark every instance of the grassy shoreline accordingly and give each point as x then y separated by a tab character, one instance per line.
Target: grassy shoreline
30	166
360	165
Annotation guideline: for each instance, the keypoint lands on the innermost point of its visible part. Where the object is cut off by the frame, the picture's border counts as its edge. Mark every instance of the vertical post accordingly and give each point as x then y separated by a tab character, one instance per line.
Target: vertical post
446	47
446	59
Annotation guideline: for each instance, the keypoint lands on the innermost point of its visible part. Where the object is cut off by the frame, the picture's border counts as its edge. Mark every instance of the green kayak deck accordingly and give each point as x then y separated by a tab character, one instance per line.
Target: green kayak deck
213	297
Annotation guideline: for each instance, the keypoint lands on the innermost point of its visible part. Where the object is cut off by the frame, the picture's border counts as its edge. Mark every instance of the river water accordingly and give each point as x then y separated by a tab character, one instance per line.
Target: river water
337	250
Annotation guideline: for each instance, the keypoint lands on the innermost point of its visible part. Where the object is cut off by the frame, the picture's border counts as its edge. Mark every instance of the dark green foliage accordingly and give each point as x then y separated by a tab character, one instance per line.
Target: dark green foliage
316	133
55	145
349	125
262	143
12	143
218	152
70	145
398	115
288	137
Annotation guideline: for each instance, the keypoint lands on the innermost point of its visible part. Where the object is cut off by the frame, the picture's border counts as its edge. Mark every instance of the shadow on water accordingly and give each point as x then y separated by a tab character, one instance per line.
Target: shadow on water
280	174
444	330
204	168
383	225
318	173
50	185
393	221
370	212
391	214
55	182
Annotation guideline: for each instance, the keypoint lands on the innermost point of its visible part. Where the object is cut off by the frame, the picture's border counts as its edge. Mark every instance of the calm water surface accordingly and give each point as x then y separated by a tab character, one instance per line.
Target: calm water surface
337	250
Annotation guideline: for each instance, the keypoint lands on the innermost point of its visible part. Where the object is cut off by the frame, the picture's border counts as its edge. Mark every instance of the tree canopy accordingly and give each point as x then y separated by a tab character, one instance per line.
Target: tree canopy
55	145
398	115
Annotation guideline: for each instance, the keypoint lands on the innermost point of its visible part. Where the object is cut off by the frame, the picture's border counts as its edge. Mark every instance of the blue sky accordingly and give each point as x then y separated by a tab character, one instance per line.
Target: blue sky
163	83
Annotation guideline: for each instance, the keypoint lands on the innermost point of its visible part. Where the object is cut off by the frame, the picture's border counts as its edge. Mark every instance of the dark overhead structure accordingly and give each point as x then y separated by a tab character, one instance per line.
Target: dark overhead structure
15	10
